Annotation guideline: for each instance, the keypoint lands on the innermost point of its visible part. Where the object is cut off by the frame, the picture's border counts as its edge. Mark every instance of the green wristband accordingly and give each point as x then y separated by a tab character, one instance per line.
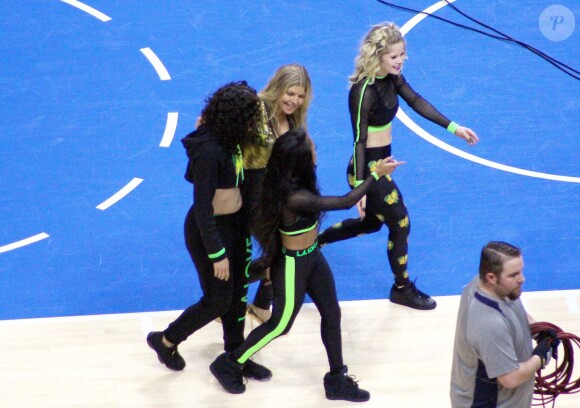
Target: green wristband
375	175
217	254
452	127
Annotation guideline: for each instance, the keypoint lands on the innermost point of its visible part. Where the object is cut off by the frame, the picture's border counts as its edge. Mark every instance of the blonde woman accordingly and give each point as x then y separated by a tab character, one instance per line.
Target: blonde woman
376	84
285	102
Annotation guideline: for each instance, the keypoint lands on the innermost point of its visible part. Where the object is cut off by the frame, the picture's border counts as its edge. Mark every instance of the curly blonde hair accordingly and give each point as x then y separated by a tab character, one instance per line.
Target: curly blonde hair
377	42
286	77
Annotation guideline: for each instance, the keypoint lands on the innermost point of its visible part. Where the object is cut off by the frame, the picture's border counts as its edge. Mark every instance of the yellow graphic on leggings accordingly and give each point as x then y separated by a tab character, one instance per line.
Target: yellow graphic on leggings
390	245
351	180
380	217
402	260
372	165
404	222
337	225
392	198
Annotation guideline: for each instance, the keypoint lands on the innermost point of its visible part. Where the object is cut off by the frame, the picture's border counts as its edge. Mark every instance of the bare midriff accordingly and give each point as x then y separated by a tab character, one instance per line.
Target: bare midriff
380	138
302	241
227	201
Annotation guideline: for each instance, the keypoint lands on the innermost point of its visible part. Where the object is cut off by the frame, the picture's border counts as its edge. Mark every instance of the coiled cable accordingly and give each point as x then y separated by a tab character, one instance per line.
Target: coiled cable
550	384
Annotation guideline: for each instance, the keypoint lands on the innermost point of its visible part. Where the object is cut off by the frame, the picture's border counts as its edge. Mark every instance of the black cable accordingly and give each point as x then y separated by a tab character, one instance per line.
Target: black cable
502	36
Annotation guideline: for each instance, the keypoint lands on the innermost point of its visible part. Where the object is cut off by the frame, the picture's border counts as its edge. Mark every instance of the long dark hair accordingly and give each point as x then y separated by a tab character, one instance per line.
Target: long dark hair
232	112
289	168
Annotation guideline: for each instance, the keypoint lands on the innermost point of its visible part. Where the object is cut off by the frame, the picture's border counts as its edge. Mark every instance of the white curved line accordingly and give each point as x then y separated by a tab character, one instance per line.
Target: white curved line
403	117
24	242
120	194
88	9
157	64
170	128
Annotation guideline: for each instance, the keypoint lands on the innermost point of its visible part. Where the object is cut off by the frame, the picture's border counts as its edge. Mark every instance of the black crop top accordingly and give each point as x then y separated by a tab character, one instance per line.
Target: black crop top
376	105
210	168
303	207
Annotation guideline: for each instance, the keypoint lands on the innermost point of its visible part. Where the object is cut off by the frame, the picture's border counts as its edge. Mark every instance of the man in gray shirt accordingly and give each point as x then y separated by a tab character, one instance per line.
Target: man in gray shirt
493	360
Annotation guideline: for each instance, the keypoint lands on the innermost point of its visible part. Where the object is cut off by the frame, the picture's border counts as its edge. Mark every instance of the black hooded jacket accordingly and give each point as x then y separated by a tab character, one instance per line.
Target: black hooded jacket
210	167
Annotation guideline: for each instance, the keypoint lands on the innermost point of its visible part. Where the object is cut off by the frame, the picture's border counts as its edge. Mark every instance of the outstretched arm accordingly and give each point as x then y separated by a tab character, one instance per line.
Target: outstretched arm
428	111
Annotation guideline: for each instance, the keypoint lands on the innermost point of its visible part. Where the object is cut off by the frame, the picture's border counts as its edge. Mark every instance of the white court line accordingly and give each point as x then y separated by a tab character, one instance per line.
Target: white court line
24	242
157	64
120	194
402	116
170	128
88	9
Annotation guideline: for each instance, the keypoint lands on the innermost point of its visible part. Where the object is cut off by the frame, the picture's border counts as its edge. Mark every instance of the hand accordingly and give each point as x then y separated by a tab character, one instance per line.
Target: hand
198	122
467	134
552	336
387	166
221	269
544	351
361	207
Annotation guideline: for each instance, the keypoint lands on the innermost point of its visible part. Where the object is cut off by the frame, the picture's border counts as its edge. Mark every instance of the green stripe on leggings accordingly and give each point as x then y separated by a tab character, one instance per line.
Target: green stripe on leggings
289	288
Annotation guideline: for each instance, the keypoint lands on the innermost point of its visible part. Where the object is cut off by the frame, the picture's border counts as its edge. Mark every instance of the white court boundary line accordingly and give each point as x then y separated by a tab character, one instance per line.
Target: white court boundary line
24	242
120	194
157	64
419	131
170	128
88	9
146	317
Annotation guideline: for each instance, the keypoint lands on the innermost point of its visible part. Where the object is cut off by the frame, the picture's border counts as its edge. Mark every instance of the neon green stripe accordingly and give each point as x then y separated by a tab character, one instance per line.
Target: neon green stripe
217	254
362	94
289	288
248	257
379	128
299	232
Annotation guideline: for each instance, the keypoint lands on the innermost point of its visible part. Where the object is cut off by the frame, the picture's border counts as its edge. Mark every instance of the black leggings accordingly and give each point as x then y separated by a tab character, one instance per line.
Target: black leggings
384	205
295	274
251	196
225	299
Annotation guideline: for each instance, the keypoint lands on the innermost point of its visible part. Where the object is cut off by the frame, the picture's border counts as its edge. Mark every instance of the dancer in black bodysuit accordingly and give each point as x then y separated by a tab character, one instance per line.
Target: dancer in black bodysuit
376	85
290	211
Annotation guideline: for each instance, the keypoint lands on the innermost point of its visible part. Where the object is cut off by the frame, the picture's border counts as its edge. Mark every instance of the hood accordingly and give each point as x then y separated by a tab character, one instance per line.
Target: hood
194	140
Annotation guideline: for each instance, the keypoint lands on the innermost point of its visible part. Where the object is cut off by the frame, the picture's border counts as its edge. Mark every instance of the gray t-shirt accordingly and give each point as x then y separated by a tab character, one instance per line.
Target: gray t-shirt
491	338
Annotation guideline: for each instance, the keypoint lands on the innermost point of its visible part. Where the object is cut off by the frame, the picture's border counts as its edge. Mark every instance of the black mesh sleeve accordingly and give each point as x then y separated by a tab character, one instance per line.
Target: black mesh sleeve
360	104
418	103
306	201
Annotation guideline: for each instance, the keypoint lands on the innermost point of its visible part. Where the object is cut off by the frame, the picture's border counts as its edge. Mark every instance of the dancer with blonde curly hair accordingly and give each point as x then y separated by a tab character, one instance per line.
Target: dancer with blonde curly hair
376	84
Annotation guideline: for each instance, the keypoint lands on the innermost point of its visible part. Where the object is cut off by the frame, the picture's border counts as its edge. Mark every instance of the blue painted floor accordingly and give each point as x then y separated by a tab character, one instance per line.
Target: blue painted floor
83	111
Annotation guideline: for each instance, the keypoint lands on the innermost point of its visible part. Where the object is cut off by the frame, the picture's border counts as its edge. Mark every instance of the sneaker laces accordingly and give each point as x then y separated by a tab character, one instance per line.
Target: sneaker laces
413	289
351	381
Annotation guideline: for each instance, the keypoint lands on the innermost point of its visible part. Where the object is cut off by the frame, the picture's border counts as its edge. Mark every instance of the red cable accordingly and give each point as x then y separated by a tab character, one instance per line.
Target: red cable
550	384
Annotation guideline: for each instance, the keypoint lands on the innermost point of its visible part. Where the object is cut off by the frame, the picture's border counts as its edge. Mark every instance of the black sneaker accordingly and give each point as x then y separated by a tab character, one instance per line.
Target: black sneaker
411	297
342	386
228	373
166	355
255	371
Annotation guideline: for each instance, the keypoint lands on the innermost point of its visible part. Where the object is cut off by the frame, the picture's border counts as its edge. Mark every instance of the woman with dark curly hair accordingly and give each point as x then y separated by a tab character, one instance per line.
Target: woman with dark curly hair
290	210
215	232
